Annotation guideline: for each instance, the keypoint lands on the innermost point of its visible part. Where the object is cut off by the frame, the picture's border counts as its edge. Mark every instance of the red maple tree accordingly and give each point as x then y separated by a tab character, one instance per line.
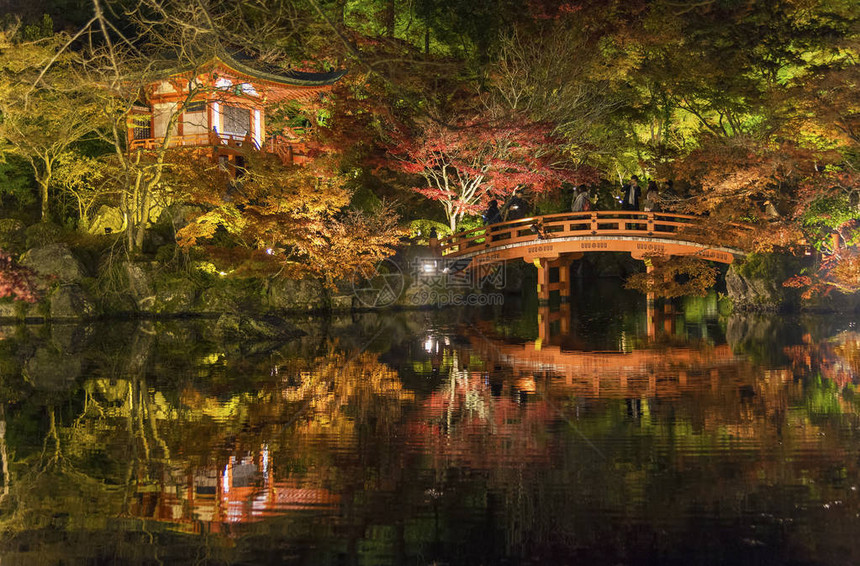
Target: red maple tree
16	281
471	161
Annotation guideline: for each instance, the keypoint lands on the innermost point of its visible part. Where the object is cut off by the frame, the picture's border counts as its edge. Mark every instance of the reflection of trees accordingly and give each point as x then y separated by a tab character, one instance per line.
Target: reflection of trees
465	423
164	443
607	464
837	359
137	439
342	390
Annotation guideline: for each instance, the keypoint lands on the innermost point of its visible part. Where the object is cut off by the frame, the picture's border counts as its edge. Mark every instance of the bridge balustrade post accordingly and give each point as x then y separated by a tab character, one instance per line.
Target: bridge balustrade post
594	223
650	223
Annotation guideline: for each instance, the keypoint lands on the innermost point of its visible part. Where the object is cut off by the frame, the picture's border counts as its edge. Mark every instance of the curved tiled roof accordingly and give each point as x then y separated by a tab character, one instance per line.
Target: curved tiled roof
277	75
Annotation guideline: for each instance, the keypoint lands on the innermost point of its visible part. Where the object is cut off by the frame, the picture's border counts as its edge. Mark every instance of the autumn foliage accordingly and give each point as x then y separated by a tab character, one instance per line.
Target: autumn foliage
675	277
16	281
473	160
292	219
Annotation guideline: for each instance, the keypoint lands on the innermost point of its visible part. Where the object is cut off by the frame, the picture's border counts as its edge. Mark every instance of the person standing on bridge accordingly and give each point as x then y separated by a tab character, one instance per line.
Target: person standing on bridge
632	193
582	200
516	208
492	214
652	198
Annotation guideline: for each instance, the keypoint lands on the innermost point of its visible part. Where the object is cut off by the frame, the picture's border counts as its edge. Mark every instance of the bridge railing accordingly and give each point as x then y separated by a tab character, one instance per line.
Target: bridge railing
683	227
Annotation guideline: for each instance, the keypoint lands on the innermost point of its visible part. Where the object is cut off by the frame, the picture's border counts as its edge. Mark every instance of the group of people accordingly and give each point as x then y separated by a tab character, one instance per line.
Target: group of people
517	207
632	198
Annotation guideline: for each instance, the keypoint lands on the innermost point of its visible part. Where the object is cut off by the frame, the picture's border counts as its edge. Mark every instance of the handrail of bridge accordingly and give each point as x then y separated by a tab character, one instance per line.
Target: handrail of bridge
681	227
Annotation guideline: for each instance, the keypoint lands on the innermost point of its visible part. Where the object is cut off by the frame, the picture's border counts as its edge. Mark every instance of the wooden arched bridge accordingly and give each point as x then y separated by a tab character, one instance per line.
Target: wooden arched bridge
552	242
550	236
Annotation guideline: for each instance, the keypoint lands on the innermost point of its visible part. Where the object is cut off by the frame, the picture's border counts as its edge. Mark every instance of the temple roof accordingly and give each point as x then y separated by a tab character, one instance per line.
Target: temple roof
278	75
273	83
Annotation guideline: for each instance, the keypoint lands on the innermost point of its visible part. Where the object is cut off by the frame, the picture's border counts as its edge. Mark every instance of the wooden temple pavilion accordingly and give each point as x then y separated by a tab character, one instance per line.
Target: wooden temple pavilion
222	105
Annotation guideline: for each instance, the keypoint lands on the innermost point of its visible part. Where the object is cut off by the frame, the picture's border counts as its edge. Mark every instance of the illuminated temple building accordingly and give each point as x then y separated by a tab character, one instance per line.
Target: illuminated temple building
223	105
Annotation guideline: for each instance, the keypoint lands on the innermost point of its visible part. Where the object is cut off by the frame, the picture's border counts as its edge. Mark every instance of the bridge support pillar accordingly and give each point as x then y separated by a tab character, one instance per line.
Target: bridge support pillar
650	307
542	281
553	275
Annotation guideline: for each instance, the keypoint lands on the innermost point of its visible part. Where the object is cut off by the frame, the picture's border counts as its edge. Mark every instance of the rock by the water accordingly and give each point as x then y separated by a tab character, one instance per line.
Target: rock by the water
216	300
304	294
70	302
54	260
13	309
174	296
749	293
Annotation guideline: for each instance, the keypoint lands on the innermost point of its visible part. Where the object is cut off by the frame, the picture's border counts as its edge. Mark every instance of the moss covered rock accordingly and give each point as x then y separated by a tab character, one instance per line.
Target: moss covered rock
70	302
756	283
174	294
287	294
54	260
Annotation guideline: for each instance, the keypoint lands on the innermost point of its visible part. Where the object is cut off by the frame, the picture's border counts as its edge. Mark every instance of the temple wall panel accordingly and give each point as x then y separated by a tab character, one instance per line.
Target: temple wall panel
195	123
161	116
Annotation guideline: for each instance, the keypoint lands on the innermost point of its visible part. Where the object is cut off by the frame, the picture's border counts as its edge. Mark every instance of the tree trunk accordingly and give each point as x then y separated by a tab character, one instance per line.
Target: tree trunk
43	197
341	13
43	179
143	219
389	18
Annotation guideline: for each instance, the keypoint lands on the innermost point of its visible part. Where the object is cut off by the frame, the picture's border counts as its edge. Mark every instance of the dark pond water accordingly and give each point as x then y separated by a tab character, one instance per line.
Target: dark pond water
602	433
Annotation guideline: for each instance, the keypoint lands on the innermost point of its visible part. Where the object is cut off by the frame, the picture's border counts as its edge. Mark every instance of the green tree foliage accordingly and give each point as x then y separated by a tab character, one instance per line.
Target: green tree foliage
45	107
16	182
750	106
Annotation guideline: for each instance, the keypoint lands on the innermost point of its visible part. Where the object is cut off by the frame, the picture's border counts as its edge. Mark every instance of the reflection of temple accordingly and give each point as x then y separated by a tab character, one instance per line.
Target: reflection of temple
242	491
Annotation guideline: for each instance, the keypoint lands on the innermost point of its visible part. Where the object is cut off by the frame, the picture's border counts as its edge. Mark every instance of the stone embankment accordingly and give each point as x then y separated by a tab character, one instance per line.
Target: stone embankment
78	284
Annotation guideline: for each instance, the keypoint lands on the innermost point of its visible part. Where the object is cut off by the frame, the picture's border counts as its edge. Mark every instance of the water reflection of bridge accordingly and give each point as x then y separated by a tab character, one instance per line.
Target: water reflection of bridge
554	322
657	372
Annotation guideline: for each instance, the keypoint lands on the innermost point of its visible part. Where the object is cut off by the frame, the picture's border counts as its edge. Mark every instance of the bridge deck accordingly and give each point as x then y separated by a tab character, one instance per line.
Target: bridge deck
639	233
